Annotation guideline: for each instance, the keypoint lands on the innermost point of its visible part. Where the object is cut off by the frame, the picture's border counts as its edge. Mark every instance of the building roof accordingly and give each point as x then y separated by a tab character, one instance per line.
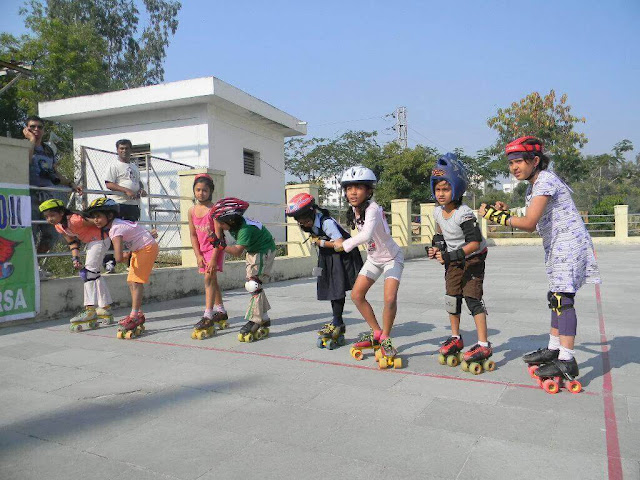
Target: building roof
185	92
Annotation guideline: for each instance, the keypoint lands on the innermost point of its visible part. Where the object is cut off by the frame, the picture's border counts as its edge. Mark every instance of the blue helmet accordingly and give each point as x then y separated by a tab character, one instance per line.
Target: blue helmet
449	168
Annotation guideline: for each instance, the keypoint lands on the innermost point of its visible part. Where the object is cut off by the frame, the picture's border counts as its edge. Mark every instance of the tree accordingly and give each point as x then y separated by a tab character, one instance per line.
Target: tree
551	121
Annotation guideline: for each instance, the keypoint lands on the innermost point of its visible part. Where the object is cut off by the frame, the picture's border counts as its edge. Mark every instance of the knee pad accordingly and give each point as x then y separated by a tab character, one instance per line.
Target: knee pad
253	285
475	306
88	275
560	301
453	304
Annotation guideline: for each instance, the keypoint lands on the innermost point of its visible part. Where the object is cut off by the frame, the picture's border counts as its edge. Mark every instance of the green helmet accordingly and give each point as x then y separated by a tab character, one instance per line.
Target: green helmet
51	204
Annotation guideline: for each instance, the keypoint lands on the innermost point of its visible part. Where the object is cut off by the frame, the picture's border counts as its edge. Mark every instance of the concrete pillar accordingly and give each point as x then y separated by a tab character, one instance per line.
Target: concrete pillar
401	221
186	202
295	236
427	222
14	160
482	222
621	219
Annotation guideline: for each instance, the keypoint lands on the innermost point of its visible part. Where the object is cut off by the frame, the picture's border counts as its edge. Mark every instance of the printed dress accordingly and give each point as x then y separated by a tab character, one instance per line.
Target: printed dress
569	258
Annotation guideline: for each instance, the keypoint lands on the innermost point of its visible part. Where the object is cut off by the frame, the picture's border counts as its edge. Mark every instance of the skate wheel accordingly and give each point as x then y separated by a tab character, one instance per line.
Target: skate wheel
120	334
201	335
357	354
382	363
240	337
397	362
460	356
489	365
194	335
377	354
266	331
539	382
550	386
211	331
475	368
452	361
223	324
330	344
319	343
129	335
442	359
465	366
575	386
532	370
93	325
249	337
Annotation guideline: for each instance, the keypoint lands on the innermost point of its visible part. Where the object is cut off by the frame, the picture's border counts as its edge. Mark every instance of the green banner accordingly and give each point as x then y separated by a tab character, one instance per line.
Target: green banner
19	281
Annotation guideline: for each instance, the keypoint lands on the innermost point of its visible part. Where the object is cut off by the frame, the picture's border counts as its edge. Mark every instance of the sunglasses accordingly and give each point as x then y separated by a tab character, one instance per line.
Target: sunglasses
36	127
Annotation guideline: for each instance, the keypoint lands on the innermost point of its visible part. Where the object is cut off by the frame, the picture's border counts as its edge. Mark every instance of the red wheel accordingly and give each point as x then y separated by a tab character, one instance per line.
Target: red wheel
575	386
532	369
539	381
550	386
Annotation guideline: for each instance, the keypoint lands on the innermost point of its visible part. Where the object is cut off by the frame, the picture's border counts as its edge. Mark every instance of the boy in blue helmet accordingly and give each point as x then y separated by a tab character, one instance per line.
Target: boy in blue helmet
460	247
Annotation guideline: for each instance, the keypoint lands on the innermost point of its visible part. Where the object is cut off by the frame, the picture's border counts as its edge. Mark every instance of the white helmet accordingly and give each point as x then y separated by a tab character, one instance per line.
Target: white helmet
358	174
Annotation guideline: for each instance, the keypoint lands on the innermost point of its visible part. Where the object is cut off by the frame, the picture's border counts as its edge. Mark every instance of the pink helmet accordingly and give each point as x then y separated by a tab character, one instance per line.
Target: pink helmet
300	204
228	207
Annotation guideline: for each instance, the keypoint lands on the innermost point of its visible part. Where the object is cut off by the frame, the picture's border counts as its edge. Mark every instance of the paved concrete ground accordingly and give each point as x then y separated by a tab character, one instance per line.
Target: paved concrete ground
78	406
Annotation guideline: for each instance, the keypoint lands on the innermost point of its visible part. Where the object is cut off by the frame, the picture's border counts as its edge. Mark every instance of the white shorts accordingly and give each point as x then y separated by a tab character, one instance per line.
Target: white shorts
390	269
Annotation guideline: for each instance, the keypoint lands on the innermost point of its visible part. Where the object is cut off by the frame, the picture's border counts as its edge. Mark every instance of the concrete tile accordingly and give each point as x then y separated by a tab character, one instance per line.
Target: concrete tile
25	350
634	409
42	377
448	388
20	405
367	402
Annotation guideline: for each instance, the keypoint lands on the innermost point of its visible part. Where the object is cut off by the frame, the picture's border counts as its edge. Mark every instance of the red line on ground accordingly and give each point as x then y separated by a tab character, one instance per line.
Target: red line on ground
325	362
611	426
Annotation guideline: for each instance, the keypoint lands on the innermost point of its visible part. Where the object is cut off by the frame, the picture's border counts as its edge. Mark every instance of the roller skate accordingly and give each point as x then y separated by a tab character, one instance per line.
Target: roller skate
105	316
365	341
331	336
85	320
205	328
551	376
450	352
386	355
539	357
220	320
476	360
131	327
254	331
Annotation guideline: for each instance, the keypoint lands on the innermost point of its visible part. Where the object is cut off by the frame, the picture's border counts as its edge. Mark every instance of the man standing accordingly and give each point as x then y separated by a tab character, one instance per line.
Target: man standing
43	172
123	178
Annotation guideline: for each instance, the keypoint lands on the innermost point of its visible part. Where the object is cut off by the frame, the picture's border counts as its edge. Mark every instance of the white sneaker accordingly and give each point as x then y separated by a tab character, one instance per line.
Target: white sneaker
110	266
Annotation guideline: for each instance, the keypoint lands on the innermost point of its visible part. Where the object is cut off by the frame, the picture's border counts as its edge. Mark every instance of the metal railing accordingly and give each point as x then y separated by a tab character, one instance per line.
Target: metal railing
634	224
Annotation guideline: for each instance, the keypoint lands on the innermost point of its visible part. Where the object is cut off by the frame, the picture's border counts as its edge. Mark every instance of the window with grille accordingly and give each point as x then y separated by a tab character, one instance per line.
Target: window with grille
251	162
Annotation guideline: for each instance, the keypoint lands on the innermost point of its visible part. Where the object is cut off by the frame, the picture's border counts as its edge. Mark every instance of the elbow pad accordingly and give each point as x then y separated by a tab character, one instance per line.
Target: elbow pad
438	242
471	231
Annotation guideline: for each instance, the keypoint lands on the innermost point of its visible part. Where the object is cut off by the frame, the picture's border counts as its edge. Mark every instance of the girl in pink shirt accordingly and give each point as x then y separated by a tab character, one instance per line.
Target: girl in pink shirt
210	258
76	229
384	257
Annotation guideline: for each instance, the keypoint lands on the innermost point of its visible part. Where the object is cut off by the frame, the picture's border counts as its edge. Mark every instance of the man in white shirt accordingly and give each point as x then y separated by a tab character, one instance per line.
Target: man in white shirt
123	178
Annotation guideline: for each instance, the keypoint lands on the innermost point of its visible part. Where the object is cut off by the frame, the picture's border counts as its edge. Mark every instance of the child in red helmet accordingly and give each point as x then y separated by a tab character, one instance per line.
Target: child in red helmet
460	247
254	239
569	258
210	259
338	270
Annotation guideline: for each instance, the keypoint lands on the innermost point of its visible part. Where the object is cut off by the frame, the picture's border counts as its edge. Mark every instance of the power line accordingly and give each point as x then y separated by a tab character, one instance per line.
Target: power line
427	138
382	117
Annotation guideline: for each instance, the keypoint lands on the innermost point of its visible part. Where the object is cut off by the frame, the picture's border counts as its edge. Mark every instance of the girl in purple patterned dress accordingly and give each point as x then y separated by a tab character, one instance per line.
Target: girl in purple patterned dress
569	258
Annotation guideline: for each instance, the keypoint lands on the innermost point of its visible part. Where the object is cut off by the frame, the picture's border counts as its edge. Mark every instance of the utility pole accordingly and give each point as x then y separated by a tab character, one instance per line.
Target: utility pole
401	126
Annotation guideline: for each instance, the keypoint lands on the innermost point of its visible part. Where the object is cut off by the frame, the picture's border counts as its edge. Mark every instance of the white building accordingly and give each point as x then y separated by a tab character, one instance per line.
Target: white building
333	191
203	122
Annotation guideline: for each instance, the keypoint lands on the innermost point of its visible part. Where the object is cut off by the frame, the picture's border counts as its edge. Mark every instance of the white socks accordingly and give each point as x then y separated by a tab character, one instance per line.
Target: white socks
566	354
554	343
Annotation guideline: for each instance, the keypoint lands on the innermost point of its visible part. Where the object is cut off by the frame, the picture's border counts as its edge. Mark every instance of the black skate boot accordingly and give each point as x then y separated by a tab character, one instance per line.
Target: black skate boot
331	336
551	376
540	356
203	329
254	331
220	320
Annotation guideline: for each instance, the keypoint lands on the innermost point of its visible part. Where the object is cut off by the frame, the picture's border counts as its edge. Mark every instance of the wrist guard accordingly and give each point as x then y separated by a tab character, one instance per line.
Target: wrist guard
497	216
216	242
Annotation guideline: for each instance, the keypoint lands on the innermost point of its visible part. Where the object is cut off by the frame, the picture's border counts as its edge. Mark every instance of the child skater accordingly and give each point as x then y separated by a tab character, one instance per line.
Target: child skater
384	257
569	258
75	229
210	259
460	247
251	236
338	270
143	252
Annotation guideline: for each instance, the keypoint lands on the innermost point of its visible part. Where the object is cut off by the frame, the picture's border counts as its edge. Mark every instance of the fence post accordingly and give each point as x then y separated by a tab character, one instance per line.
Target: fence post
185	181
401	221
483	224
427	222
83	176
294	233
621	219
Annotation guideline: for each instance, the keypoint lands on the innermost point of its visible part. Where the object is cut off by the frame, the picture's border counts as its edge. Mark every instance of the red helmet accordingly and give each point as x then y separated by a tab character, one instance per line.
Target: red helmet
228	207
299	204
520	145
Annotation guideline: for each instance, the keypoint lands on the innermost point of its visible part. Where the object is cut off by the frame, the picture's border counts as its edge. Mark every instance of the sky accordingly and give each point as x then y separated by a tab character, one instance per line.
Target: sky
342	65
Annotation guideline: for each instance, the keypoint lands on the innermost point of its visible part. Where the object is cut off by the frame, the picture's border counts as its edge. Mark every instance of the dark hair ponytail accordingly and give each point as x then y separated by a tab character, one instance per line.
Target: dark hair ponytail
351	215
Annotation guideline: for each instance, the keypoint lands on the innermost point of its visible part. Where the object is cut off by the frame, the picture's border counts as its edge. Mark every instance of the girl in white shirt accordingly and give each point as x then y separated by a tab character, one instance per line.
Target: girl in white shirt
384	257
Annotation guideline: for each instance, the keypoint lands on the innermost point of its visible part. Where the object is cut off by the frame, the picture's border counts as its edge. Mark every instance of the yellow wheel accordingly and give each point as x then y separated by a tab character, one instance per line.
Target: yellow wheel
489	365
248	337
397	362
240	337
351	350
202	334
475	368
460	357
194	335
382	363
442	360
452	361
223	324
266	331
129	335
465	366
357	354
378	354
119	334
